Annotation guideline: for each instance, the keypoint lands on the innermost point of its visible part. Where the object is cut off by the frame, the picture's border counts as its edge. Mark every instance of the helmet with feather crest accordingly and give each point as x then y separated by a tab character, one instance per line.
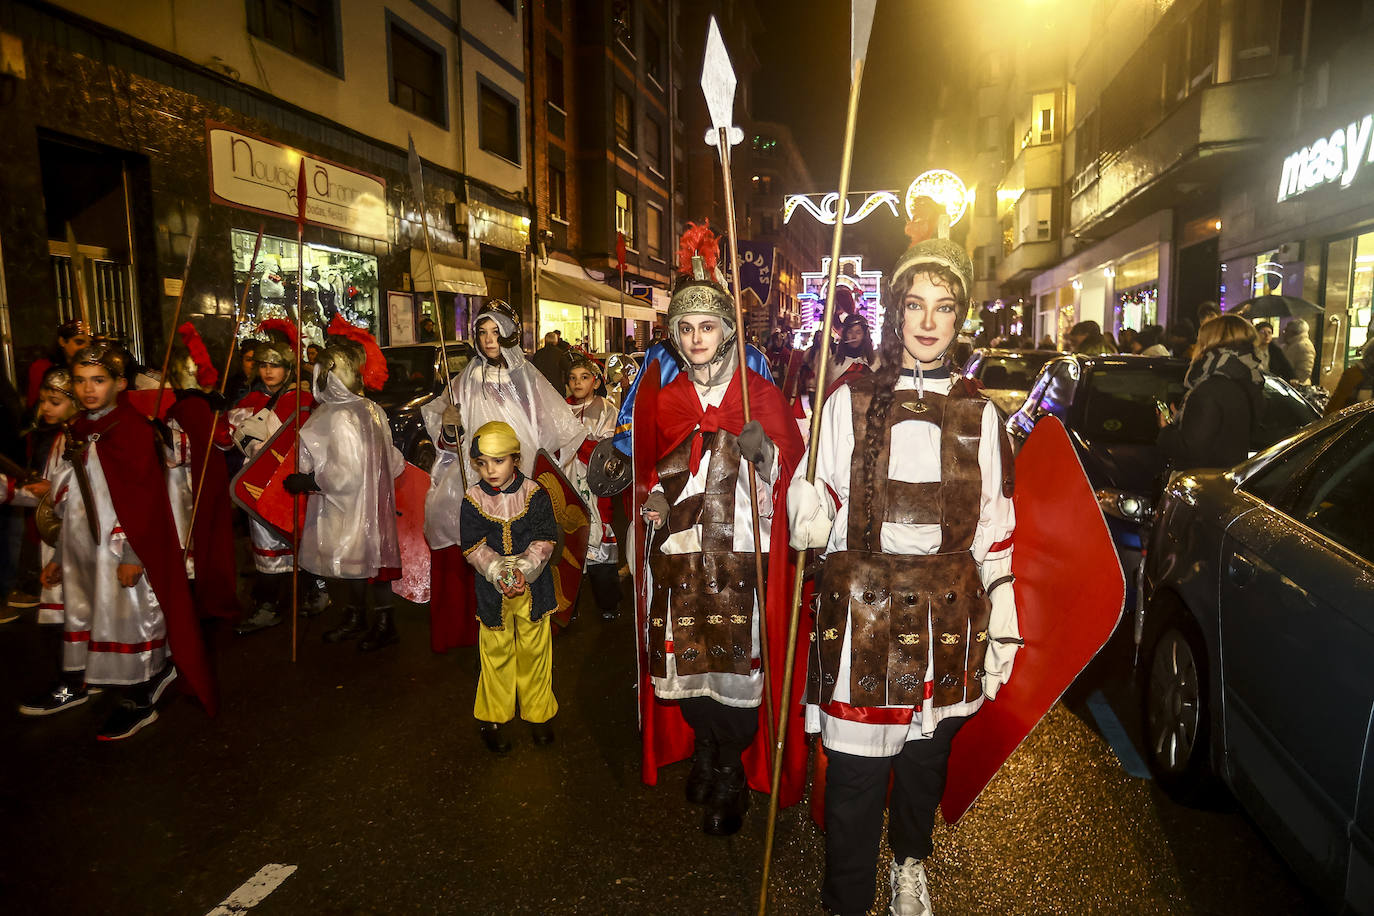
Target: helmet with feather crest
352	355
701	288
277	344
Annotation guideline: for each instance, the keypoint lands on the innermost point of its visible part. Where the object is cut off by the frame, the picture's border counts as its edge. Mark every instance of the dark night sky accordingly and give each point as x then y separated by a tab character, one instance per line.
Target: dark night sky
803	83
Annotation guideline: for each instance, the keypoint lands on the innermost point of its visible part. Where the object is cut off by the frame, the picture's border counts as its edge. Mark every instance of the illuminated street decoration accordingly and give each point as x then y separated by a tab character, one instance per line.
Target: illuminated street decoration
940	185
864	285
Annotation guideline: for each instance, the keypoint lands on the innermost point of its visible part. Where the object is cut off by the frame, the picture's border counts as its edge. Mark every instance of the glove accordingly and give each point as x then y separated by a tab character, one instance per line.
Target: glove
657	502
296	484
608	470
452	423
755	446
164	432
218	402
810	514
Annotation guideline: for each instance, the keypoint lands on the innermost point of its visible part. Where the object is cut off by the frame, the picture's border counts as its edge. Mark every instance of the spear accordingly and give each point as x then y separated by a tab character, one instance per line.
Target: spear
176	319
718	85
417	183
78	279
861	26
300	327
223	383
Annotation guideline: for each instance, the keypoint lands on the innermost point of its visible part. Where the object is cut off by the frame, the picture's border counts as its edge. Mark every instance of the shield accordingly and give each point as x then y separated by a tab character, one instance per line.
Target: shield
1069	596
411	489
258	490
574	526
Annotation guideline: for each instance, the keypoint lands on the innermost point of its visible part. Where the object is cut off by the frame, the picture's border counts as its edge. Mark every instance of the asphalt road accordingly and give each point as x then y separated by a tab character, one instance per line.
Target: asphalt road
365	773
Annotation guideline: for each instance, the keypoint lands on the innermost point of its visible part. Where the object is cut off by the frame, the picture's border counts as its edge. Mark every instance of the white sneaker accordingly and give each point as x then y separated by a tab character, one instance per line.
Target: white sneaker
910	895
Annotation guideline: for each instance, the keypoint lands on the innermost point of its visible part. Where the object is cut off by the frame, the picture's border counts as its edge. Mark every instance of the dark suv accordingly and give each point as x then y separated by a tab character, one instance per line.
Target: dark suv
414	378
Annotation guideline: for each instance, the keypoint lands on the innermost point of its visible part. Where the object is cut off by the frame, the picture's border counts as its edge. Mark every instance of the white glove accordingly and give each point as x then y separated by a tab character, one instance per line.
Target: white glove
1004	639
810	514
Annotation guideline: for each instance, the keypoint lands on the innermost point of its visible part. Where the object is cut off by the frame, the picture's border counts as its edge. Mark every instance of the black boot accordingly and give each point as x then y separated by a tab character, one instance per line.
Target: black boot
728	801
494	736
382	634
702	776
353	625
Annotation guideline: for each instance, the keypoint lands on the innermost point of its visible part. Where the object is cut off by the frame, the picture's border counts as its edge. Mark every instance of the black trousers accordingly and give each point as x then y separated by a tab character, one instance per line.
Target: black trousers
276	588
605	578
732	728
346	593
855	794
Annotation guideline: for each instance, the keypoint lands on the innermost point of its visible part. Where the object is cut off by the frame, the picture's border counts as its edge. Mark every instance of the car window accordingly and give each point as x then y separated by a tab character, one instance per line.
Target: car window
1335	498
1272	482
1120	402
1013	372
1285	412
409	369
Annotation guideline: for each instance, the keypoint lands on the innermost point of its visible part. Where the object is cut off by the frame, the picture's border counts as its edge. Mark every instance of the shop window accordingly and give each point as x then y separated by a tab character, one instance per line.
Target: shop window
558	193
498	125
553	69
309	29
653	56
624	111
625	217
653	144
653	231
337	282
417	74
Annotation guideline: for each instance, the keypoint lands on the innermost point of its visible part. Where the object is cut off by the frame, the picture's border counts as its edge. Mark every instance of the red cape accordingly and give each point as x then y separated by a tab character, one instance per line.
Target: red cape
134	470
663	419
452	600
212	532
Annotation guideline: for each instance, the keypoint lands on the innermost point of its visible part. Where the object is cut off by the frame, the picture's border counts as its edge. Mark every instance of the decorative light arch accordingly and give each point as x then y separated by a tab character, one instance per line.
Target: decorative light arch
940	185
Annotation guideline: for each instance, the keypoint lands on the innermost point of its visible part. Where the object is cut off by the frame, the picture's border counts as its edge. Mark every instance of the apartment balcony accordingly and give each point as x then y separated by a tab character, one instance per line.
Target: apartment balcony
1026	260
1213	131
1037	166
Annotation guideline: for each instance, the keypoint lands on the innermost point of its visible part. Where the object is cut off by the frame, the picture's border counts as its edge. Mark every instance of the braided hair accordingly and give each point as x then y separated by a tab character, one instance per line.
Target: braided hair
884	380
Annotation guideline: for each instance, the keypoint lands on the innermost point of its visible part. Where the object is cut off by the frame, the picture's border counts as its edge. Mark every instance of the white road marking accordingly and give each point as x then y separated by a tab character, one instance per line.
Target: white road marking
253	891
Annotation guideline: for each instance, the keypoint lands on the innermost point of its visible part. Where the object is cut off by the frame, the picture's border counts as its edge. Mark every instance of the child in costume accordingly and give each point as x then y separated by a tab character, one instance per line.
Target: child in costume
597	415
348	465
127	607
916	621
509	533
271	402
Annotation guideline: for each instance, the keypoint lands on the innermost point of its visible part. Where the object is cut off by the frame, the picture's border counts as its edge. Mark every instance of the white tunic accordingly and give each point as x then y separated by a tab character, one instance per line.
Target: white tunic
50	608
350	525
729	689
915	458
597	416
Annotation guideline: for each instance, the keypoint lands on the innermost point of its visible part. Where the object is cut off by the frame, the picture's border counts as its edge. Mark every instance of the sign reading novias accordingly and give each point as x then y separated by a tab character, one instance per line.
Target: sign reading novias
1334	158
252	173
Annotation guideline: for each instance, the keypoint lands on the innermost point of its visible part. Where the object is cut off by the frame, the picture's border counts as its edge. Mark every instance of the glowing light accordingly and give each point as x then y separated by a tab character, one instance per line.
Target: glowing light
1217	225
942	186
824	207
864	285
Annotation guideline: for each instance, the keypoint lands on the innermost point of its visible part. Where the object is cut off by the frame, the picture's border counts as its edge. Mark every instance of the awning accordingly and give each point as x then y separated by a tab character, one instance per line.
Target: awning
587	292
454	275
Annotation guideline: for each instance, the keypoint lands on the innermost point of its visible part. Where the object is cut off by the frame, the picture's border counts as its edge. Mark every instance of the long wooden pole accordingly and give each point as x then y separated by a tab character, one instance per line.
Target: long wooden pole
176	320
770	722
851	119
300	329
223	384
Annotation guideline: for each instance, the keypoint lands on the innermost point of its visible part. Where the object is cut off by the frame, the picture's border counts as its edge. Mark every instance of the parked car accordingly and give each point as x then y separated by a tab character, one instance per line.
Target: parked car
1108	405
1006	375
1259	635
414	378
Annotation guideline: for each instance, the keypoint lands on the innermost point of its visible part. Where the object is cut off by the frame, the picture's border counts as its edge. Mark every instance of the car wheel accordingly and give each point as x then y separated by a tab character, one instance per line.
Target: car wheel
1176	714
423	454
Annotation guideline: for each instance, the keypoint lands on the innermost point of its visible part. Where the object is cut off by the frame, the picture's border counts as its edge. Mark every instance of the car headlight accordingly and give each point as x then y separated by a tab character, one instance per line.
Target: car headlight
1131	507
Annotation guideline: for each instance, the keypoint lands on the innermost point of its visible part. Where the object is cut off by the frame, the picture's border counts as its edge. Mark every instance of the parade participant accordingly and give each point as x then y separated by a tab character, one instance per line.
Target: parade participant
56	407
127	610
71	336
270	403
498	383
348	465
698	604
509	533
916	620
597	414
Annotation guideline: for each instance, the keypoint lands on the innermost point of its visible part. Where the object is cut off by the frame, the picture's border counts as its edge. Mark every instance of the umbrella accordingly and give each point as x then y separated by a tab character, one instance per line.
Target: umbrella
1275	306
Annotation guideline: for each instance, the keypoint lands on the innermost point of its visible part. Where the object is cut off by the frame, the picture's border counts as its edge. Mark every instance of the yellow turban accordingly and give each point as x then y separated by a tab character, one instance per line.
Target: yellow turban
495	440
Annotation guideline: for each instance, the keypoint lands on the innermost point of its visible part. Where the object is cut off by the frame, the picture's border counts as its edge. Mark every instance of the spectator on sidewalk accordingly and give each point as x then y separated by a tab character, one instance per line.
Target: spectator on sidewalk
1224	400
1269	354
554	363
1299	350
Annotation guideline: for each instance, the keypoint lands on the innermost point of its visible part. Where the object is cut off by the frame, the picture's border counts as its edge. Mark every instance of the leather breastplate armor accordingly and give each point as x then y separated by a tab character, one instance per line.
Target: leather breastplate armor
907	612
709	596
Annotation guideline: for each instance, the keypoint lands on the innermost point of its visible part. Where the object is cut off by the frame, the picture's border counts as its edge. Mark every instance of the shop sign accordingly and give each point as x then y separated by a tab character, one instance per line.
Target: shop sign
256	174
1334	158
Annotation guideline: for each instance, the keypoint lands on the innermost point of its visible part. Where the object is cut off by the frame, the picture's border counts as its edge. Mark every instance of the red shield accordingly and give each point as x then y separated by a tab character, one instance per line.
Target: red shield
411	488
258	489
1069	595
574	526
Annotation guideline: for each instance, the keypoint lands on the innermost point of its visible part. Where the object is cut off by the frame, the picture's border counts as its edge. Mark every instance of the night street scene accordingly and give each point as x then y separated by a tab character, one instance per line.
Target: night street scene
687	457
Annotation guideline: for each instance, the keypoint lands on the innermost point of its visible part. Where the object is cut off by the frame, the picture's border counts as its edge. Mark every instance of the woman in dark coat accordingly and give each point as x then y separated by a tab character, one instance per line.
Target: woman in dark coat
1224	400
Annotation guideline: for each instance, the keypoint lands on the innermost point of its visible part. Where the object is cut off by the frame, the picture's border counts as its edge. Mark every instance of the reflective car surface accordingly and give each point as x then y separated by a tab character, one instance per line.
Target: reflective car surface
414	378
1006	375
1258	636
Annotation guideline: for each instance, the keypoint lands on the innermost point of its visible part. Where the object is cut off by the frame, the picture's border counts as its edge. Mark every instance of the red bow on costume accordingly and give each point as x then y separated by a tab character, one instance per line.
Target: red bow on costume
710	422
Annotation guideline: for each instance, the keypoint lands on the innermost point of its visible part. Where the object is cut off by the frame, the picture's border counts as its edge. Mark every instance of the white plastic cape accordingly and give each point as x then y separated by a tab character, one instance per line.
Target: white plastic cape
520	396
350	525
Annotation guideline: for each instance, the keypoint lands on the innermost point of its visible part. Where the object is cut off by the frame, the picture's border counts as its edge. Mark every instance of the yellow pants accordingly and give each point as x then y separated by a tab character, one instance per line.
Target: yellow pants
517	661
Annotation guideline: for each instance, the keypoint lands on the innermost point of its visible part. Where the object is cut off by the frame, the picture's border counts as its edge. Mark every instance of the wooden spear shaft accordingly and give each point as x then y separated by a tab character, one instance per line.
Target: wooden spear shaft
851	119
723	144
223	383
296	499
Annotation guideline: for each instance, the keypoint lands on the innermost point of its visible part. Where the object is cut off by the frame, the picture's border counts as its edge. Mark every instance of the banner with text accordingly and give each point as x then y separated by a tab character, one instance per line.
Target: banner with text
756	268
